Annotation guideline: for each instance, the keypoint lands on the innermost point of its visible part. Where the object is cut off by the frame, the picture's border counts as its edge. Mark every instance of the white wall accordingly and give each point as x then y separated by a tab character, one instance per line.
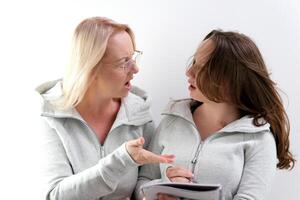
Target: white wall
34	44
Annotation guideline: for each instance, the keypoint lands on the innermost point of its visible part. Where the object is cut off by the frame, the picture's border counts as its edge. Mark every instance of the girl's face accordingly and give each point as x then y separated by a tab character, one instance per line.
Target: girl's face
200	58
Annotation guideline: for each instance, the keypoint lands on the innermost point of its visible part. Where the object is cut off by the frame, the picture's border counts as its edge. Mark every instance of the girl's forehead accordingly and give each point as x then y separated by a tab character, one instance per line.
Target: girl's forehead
205	48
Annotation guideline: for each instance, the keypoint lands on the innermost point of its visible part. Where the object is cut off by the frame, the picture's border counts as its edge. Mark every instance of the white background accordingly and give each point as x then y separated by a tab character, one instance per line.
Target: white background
34	44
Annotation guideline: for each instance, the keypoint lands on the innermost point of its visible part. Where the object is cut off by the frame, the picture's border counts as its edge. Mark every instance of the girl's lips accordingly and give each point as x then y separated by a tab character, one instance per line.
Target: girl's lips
191	87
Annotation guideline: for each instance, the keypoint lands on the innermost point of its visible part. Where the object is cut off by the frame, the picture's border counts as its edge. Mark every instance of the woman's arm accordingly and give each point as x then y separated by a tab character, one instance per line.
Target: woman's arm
259	168
152	172
92	183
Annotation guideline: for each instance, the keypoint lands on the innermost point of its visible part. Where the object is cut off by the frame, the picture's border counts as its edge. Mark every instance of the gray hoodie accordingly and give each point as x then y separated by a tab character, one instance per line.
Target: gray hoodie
241	157
77	166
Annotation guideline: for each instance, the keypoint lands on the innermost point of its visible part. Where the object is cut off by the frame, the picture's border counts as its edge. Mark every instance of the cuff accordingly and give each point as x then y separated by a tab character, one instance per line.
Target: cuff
116	164
163	168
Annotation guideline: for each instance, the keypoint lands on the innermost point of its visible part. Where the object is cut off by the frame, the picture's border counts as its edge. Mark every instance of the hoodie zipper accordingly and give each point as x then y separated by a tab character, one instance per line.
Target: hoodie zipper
195	158
102	153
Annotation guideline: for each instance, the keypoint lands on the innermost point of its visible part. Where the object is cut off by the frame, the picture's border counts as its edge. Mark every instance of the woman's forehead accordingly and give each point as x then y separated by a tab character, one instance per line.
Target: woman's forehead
119	45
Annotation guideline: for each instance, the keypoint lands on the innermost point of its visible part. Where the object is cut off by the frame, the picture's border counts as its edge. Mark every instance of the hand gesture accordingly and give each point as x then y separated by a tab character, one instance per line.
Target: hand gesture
142	156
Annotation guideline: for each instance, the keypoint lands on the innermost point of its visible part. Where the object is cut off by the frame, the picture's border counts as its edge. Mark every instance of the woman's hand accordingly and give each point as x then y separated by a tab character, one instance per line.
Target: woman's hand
165	197
179	174
142	156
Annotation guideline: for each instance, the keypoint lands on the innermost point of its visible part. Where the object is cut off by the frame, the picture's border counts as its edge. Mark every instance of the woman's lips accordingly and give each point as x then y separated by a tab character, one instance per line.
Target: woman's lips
128	85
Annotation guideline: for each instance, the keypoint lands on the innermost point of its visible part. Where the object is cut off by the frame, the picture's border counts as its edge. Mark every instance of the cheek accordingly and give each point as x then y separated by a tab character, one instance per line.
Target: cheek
113	78
198	95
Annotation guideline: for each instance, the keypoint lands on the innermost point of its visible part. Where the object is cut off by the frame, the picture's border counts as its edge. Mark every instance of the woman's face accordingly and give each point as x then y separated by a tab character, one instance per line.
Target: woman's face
117	67
201	56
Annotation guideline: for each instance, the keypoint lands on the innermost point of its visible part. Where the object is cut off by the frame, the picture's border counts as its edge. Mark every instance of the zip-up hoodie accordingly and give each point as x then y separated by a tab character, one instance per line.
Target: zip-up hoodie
241	156
77	166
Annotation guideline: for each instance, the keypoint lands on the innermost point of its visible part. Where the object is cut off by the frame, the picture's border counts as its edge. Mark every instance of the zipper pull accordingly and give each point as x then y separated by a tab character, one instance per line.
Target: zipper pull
194	160
101	151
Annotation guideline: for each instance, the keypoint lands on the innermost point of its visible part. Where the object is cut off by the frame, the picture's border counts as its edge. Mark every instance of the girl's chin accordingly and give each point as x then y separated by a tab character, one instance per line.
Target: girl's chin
195	96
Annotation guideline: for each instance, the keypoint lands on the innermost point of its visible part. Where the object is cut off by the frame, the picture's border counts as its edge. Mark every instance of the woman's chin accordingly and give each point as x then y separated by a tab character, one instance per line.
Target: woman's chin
124	92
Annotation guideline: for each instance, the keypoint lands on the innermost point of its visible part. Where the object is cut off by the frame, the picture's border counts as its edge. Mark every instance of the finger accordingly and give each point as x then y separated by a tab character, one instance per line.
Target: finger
137	142
180	179
162	196
178	171
150	157
168	157
171	156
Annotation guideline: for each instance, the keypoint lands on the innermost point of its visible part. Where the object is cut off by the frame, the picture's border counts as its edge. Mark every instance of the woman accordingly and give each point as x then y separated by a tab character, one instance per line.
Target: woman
232	130
90	115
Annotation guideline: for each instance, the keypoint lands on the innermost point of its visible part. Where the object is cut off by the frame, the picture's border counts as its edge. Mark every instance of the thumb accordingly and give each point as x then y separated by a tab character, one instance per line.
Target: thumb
137	142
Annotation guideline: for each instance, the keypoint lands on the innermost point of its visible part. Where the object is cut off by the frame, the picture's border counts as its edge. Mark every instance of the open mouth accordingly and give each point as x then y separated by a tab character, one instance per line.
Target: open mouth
127	84
191	87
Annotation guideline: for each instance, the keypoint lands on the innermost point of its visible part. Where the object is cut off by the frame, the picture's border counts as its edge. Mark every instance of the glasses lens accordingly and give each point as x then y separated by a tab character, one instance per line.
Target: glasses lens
127	66
137	56
190	63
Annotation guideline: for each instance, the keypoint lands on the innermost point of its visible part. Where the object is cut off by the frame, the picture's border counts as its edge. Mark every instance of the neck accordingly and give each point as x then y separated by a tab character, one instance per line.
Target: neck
218	114
94	104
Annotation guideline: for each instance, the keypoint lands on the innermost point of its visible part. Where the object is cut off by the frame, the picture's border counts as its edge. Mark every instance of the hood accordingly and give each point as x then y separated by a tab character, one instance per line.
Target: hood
181	108
134	109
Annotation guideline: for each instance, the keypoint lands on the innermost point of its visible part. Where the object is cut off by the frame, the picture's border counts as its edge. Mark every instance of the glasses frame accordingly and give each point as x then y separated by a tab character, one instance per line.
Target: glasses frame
130	63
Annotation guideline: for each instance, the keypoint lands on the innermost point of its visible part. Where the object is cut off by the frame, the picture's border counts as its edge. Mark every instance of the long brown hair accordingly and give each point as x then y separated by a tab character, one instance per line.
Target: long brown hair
236	69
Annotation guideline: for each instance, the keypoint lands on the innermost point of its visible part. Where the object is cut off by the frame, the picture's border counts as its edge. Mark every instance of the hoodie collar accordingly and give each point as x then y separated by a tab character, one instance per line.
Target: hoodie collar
181	108
134	109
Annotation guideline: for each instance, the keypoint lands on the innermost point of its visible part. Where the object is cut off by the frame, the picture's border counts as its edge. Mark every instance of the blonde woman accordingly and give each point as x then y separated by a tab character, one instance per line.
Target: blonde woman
95	121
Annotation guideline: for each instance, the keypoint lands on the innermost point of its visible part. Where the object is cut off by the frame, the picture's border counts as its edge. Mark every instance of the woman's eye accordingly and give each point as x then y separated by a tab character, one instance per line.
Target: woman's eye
124	60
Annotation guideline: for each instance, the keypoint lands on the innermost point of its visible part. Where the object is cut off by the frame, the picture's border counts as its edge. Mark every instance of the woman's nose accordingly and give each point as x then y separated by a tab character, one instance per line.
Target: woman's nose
135	69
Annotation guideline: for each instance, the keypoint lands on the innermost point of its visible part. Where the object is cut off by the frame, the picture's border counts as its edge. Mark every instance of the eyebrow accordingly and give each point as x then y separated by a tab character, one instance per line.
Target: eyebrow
124	57
121	59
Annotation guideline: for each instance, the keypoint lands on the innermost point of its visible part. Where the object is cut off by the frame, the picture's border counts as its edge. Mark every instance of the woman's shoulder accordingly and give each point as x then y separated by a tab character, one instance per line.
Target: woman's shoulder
48	91
178	108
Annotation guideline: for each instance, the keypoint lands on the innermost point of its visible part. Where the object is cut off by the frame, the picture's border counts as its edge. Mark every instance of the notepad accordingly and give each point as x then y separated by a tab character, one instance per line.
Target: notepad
192	191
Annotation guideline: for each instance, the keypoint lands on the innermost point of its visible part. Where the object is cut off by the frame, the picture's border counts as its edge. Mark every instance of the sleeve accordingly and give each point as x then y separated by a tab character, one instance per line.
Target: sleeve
148	132
92	183
259	168
150	172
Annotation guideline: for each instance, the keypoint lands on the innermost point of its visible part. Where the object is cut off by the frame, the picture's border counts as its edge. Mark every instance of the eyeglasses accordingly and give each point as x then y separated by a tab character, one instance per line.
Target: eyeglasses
190	64
130	63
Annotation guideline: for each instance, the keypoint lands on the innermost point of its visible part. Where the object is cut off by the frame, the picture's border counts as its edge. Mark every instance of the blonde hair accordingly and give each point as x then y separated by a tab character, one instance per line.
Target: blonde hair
88	48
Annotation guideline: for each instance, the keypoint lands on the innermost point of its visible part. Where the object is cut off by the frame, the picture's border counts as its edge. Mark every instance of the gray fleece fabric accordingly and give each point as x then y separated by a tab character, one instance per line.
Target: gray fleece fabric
241	156
77	166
